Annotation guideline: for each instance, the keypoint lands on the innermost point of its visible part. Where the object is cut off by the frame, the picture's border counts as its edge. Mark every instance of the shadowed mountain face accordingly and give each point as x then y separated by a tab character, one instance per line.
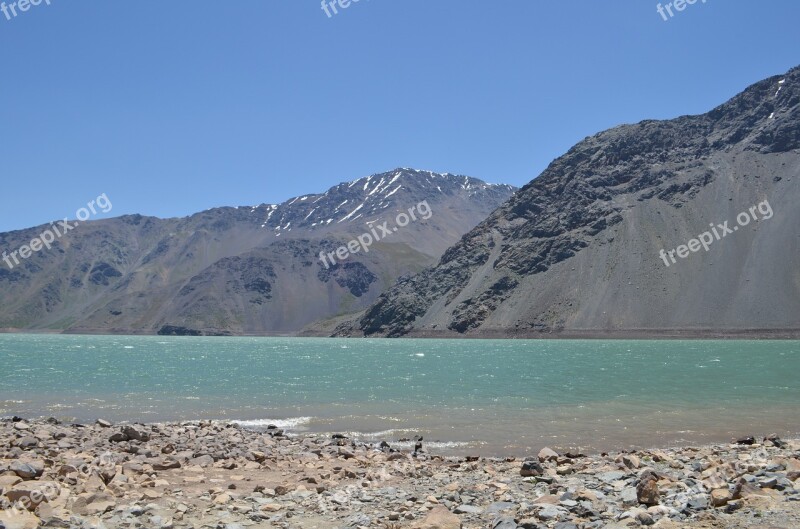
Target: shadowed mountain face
245	270
577	250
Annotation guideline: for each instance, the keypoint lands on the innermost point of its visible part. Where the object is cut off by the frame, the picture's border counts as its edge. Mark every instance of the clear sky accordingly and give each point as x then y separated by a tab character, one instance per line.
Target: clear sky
173	107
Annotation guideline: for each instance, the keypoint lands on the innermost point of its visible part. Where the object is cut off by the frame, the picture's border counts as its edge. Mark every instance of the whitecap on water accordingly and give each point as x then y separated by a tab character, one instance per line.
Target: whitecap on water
290	423
436	445
383	435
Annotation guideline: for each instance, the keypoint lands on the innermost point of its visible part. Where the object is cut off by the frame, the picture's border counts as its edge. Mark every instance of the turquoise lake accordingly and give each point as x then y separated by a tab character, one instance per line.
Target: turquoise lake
489	397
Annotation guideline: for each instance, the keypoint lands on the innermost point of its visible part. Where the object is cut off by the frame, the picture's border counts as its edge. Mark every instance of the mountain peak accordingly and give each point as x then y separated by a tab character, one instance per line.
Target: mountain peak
370	197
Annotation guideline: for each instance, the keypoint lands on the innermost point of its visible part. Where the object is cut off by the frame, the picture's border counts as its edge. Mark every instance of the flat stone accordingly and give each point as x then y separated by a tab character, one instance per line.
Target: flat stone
500	506
27	442
565	525
94	503
504	523
629	497
631	461
610	477
222	499
720	497
468	509
547	499
202	461
698	502
439	518
167	464
550	512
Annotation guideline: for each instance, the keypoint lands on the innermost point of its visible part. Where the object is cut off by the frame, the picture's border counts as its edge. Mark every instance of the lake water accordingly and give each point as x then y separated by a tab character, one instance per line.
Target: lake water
488	397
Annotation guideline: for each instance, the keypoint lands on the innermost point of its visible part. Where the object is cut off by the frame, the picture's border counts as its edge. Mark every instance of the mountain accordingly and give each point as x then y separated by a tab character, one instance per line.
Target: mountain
242	270
578	251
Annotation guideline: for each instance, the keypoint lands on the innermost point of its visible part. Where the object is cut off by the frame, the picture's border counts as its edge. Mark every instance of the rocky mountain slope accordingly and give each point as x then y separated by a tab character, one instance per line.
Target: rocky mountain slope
240	270
577	251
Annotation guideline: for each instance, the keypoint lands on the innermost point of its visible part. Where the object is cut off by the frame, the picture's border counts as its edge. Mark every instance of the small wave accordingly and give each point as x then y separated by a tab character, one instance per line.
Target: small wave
440	445
419	354
382	435
393	434
291	423
128	347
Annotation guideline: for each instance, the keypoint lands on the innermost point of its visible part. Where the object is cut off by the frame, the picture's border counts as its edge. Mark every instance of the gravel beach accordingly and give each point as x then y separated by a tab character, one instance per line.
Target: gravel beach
221	476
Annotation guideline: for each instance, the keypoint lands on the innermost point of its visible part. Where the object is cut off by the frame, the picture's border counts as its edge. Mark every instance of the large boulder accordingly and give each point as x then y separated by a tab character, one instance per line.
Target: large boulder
6	482
29	470
30	494
134	434
20	520
547	454
530	468
647	490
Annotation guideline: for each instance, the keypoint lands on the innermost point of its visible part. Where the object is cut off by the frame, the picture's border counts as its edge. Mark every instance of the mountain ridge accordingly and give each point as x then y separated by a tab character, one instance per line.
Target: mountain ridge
208	272
661	176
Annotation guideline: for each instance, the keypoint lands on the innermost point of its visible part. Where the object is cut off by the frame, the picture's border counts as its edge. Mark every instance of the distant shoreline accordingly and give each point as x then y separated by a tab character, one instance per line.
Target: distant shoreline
628	334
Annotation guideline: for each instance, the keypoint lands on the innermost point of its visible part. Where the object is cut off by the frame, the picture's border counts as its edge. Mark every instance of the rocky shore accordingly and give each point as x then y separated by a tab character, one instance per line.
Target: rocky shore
220	476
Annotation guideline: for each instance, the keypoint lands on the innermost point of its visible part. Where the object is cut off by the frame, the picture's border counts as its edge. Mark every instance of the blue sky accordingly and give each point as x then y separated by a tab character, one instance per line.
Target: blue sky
170	108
